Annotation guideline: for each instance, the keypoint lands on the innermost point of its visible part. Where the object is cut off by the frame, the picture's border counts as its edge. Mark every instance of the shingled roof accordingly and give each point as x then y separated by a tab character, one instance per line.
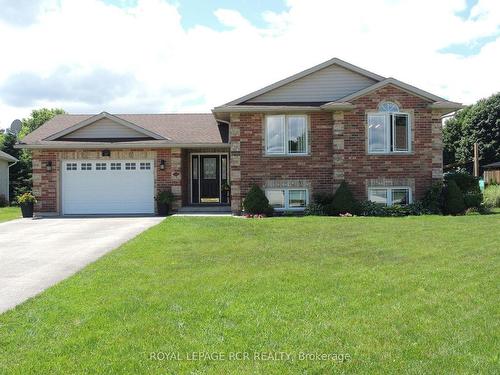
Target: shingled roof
179	128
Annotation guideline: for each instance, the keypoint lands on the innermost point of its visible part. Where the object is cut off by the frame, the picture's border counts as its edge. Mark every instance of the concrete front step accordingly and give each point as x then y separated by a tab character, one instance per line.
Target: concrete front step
204	210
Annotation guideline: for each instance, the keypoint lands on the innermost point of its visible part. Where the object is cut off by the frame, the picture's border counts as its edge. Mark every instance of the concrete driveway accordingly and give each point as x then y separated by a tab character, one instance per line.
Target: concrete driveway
36	254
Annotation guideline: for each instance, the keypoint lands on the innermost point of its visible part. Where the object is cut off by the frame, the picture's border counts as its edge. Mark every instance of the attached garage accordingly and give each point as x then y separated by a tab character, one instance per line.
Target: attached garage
100	187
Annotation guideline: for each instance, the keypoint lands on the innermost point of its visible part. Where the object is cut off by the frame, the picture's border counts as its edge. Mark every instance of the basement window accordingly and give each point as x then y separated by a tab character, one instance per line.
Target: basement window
389	196
287	199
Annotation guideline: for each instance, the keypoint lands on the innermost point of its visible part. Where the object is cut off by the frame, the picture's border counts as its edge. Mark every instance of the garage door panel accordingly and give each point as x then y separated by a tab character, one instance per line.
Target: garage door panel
108	191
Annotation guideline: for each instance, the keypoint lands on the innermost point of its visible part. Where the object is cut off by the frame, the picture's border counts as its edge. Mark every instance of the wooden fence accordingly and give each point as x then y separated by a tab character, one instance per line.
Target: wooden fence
492	176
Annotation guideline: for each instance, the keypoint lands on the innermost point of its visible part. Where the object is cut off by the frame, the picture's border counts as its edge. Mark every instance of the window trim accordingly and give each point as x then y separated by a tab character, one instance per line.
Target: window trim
388	193
287	198
390	129
285	137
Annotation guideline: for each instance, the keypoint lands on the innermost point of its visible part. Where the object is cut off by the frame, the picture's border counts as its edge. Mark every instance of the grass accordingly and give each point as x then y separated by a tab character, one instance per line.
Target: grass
492	196
393	295
9	213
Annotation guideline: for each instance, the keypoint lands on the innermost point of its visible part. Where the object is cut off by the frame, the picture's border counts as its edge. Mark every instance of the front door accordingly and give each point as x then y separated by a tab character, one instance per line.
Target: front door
209	179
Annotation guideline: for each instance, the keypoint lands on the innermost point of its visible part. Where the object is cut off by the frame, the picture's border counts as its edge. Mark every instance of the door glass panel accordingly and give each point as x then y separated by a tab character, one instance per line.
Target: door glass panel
210	168
224	168
195	168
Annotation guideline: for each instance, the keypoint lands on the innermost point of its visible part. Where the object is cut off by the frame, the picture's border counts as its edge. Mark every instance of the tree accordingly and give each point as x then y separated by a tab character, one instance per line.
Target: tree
479	123
453	199
21	172
256	202
37	118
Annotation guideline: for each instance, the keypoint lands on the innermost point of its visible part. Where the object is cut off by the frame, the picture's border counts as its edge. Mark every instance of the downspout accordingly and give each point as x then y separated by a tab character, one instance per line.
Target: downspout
8	177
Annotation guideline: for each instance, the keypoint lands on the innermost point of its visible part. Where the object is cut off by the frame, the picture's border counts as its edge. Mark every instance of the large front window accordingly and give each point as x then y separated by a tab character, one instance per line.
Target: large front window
388	130
287	199
286	135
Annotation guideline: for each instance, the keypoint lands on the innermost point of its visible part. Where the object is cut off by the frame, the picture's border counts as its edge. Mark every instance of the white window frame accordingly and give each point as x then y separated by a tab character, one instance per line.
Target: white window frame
388	192
100	166
390	127
287	198
286	136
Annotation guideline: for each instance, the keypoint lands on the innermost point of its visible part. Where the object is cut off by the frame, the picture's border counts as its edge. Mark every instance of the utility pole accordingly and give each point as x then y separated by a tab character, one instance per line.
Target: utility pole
476	160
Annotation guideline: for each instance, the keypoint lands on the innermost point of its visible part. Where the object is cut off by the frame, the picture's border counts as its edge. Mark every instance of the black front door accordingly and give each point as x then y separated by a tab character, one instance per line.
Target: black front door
210	178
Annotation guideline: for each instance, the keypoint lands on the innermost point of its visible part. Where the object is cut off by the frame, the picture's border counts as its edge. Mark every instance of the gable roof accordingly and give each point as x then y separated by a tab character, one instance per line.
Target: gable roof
340	103
101	116
314	69
169	130
5	156
437	101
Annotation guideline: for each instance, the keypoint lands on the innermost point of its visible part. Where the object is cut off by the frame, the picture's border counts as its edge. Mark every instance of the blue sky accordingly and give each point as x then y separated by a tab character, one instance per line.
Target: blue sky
127	56
199	12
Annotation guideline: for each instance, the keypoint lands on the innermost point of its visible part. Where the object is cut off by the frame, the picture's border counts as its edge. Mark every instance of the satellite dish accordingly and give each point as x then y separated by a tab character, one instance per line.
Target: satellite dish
15	127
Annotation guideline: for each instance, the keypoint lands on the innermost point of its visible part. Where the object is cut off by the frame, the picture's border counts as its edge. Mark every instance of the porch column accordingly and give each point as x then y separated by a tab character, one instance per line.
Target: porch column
235	163
338	148
176	176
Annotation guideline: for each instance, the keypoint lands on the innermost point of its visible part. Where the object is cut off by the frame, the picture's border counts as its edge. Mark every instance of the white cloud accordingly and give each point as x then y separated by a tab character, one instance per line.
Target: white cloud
168	68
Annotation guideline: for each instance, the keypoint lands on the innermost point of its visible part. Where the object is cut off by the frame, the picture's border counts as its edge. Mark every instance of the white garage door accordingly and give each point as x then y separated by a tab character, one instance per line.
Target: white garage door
107	187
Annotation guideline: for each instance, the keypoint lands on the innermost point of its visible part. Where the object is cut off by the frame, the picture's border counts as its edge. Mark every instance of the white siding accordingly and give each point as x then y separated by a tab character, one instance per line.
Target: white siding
104	128
4	178
328	84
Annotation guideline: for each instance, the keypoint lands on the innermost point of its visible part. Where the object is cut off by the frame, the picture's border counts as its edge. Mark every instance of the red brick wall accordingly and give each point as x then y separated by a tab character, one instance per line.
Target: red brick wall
46	184
250	166
359	166
338	145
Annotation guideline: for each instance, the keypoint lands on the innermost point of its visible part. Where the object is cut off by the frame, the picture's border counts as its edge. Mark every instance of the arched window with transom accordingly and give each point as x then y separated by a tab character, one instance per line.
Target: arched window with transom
388	107
388	130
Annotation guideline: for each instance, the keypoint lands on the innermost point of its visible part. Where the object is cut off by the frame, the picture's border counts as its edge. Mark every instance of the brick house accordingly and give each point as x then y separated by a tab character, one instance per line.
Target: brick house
301	135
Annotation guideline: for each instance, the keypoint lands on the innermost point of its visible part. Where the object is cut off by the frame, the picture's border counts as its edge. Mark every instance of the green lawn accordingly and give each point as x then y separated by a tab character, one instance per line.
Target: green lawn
9	213
393	295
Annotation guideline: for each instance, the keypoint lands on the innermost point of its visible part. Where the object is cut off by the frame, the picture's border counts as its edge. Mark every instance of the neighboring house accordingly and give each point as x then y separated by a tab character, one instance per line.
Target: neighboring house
492	173
301	135
5	159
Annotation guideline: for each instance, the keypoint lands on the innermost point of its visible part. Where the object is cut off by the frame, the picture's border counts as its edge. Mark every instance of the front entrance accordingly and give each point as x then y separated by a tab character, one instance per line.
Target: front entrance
209	182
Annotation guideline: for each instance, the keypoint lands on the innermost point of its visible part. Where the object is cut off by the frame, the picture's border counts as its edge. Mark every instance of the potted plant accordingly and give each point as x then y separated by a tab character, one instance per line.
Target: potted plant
27	202
164	200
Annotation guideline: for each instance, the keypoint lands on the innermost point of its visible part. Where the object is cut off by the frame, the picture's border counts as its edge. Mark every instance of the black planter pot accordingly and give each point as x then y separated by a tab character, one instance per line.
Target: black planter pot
163	209
27	209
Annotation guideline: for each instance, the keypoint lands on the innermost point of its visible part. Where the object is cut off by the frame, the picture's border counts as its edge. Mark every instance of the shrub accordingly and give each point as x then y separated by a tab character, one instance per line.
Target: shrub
453	199
3	201
256	202
492	196
26	198
342	202
315	209
165	197
465	182
323	199
433	198
473	199
368	208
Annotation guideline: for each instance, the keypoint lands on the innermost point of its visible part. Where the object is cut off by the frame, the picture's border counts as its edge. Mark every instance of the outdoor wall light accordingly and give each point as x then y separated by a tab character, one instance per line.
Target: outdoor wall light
162	164
106	153
48	166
